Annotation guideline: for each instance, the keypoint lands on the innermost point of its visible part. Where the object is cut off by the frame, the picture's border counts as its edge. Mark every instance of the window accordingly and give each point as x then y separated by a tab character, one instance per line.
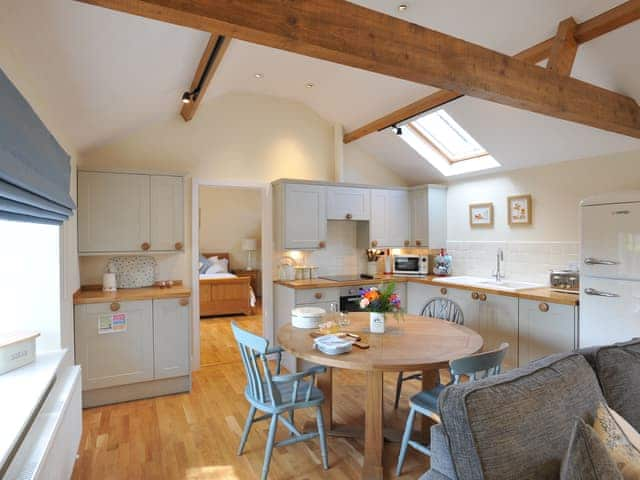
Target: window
440	140
30	280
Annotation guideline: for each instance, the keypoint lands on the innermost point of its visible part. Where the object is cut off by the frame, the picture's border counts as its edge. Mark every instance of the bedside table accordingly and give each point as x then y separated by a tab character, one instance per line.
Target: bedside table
256	281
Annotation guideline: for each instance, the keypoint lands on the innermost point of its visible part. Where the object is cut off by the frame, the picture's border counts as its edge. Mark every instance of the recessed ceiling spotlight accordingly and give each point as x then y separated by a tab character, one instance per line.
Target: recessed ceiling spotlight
309	85
403	7
258	75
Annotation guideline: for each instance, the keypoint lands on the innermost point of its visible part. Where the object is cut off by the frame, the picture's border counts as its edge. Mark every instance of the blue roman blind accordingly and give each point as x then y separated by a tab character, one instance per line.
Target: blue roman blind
34	169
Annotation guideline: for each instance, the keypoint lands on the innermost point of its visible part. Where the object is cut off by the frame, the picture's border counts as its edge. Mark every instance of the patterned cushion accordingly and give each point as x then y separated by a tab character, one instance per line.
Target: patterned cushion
587	457
611	430
618	370
517	425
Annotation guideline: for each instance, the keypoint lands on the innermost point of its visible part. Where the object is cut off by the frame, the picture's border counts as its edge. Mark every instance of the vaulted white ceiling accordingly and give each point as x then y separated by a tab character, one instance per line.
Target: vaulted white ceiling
109	73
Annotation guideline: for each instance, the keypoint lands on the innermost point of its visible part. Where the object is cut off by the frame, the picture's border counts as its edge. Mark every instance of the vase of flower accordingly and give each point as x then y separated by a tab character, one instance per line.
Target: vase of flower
379	301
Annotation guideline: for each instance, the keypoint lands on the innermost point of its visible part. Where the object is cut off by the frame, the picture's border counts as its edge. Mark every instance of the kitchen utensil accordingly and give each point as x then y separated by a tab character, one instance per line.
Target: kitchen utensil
307	317
333	344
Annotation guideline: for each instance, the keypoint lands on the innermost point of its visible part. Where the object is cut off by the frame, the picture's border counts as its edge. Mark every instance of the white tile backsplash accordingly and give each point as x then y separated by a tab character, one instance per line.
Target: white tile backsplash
523	261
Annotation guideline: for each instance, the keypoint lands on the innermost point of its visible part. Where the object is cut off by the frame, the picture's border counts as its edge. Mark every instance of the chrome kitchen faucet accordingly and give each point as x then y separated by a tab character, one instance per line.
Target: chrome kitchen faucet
499	261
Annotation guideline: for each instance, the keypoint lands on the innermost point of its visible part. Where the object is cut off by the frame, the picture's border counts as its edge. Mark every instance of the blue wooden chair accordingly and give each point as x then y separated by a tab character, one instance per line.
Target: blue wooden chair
276	394
443	309
480	365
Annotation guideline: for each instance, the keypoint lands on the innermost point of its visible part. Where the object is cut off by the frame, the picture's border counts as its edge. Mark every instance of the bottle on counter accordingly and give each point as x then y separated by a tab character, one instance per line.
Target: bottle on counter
387	262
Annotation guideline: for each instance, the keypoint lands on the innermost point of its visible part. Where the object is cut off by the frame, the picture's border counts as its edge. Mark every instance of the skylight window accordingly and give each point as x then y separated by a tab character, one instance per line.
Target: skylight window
440	140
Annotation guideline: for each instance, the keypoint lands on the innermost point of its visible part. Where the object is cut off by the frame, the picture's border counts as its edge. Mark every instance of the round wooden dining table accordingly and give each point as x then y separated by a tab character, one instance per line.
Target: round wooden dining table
411	344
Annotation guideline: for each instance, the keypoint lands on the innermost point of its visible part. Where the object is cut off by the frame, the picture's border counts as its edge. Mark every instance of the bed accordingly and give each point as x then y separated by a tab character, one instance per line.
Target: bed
225	293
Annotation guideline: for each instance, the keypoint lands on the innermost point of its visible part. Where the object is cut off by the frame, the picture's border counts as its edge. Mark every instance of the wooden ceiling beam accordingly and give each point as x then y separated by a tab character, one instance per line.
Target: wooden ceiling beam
211	58
362	38
619	16
564	48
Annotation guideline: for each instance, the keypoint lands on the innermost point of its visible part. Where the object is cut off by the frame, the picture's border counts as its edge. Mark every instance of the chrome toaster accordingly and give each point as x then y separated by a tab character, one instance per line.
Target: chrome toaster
567	281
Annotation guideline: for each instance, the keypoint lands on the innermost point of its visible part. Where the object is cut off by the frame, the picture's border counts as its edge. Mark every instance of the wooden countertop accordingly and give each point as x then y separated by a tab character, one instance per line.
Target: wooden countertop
93	295
542	294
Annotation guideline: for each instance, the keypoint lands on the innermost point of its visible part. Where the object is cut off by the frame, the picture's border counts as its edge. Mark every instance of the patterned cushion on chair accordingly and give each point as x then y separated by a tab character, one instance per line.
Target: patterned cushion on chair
587	457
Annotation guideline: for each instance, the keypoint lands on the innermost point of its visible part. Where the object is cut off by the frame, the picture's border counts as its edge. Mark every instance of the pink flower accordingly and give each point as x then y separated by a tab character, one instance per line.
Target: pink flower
364	303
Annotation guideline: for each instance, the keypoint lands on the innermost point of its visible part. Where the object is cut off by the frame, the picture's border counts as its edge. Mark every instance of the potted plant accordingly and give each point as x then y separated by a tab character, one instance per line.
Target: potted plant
379	301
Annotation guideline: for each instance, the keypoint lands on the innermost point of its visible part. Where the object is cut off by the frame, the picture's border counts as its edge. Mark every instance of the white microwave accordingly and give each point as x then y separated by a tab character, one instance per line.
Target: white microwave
410	264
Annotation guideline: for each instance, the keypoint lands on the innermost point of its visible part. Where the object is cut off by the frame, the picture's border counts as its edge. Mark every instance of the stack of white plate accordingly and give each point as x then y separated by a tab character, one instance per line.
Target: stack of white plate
332	345
307	317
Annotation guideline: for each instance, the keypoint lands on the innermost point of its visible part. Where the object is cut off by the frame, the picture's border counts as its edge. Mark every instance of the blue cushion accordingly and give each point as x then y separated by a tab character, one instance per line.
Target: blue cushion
427	400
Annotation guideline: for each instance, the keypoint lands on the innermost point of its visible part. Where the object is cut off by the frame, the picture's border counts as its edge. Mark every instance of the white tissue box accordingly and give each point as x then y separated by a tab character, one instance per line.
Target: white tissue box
17	349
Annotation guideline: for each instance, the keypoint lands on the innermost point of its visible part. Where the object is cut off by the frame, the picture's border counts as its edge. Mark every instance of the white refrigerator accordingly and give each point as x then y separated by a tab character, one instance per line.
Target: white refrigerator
610	271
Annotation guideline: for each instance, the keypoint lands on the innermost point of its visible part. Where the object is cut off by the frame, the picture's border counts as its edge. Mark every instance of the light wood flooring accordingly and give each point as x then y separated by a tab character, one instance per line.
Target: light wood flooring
195	435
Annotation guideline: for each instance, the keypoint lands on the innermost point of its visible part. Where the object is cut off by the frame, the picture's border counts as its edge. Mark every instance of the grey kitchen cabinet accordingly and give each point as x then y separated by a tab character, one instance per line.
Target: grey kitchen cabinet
498	323
166	212
114	358
389	225
129	212
428	210
171	337
546	328
348	203
113	212
300	216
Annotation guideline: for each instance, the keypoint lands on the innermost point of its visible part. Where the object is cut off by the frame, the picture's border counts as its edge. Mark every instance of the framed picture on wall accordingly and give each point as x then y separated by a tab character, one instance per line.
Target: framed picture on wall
520	210
481	215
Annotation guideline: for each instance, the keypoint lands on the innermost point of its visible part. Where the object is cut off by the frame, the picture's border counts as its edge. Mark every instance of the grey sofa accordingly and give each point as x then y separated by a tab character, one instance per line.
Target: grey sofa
518	425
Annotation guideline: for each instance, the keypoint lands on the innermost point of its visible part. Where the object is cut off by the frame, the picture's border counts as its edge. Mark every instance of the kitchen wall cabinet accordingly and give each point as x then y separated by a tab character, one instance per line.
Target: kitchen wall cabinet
127	212
545	328
346	203
113	212
118	358
300	216
171	337
389	225
428	211
166	213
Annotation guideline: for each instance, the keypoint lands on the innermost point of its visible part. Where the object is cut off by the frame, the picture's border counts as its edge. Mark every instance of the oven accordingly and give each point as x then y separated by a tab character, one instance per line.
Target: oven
350	299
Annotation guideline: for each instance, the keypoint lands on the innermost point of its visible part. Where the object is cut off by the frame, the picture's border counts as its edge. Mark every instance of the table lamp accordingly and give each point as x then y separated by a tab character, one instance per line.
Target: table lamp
249	245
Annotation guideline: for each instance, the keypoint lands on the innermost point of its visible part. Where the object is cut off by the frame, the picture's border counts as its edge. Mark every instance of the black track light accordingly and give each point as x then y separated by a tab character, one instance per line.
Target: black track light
187	97
396	129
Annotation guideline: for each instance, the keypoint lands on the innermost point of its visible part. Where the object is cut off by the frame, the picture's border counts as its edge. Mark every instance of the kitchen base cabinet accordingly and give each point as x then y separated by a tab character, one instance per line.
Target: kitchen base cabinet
498	323
171	339
118	357
133	349
545	329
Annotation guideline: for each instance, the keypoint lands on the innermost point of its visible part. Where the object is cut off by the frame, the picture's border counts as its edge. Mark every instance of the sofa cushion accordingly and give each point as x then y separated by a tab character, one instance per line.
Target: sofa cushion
618	370
517	425
616	434
587	457
441	461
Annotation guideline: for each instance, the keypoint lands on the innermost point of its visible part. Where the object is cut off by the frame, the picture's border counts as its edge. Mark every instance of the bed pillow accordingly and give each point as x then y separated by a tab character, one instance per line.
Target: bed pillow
203	264
217	265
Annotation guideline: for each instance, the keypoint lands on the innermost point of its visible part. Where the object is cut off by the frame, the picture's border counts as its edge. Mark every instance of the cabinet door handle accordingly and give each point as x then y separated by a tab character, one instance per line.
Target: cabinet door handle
374	243
115	306
598	293
178	245
543	307
407	243
348	216
418	243
184	302
322	244
483	297
443	291
598	261
145	246
475	295
318	295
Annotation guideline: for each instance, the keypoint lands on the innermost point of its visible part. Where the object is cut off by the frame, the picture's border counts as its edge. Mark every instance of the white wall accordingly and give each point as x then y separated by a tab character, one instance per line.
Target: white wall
552	241
15	67
227	215
360	167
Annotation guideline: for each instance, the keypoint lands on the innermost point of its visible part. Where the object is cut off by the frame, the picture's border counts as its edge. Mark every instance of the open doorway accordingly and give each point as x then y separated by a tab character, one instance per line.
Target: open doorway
230	223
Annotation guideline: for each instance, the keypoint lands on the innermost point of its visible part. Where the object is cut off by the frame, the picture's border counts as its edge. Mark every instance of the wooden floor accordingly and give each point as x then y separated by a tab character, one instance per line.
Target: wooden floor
195	436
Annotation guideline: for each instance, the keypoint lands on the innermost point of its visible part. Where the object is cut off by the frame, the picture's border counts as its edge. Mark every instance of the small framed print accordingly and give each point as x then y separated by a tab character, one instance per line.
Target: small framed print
520	210
481	215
